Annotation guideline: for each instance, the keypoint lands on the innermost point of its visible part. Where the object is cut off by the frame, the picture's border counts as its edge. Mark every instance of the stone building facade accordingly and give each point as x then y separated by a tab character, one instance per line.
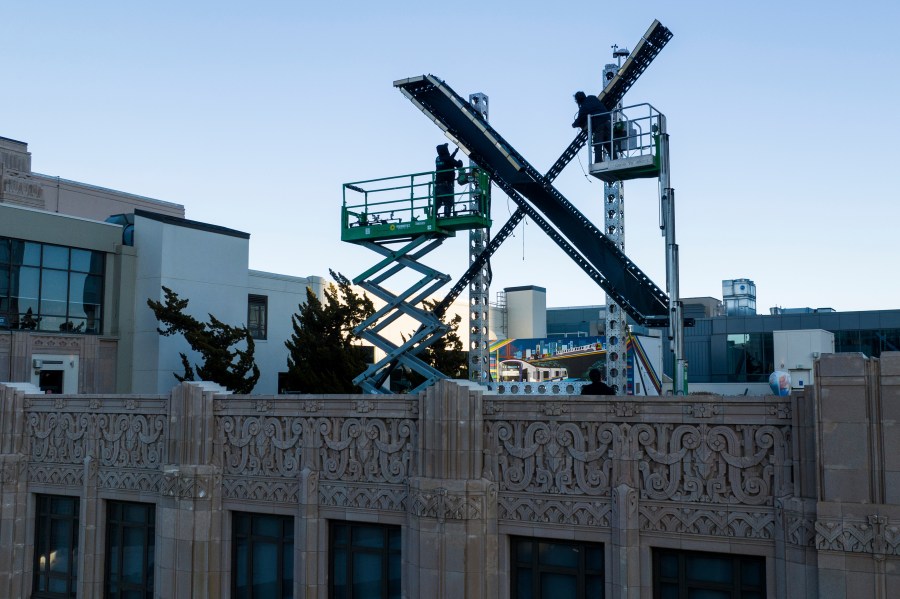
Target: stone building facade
754	496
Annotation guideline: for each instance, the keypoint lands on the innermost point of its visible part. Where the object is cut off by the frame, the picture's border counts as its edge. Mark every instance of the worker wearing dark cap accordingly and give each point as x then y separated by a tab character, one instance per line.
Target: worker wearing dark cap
444	178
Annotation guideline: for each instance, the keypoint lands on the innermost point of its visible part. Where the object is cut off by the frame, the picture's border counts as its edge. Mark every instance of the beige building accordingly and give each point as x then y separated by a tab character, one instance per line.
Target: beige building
456	493
73	288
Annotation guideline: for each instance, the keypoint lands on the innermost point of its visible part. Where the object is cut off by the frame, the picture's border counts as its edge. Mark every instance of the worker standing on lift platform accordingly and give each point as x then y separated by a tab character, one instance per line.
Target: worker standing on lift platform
445	178
588	107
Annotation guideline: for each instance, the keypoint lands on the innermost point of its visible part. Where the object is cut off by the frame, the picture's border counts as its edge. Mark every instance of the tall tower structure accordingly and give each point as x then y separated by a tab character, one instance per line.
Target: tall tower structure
614	229
479	286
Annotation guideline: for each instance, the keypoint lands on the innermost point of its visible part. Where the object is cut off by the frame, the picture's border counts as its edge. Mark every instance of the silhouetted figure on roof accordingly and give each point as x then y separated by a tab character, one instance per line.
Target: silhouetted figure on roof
589	106
597	386
445	178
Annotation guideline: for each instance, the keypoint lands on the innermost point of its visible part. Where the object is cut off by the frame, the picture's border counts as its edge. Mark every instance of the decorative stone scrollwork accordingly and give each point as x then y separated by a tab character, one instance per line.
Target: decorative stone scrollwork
58	437
717	464
444	505
553	510
366	497
553	457
55	474
709	520
366	449
261	445
876	535
131	440
129	479
261	489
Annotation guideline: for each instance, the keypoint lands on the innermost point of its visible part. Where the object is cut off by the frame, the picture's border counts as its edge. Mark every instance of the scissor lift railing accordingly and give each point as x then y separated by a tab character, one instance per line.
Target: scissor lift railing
404	206
396	217
626	143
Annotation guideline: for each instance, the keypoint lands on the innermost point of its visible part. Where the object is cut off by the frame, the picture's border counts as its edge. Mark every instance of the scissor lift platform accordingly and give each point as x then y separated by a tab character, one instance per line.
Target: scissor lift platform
403	207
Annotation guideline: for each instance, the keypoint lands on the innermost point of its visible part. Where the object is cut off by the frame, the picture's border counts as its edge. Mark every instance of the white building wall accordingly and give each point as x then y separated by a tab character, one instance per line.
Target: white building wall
208	268
526	312
285	294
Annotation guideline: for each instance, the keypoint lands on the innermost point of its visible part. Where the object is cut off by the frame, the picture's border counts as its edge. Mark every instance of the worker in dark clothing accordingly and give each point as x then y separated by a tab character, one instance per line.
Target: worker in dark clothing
445	178
597	386
588	107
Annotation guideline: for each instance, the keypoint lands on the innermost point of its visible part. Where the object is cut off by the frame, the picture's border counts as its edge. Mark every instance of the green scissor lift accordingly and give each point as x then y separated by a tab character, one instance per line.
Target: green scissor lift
396	217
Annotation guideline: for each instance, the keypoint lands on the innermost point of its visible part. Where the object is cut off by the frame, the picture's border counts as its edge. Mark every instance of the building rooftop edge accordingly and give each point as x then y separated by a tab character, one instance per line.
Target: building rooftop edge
190	224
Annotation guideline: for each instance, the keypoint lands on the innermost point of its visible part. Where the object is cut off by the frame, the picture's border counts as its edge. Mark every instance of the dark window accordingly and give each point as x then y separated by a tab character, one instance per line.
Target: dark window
262	560
47	287
556	569
55	546
688	574
750	357
365	561
257	315
130	540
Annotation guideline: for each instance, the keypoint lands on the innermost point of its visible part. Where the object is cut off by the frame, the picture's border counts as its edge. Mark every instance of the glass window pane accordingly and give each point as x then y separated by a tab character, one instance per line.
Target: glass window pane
339	534
567	556
265	569
752	573
366	575
133	555
368	536
668	591
31	253
593	586
523	551
559	586
80	260
4	250
708	594
668	565
594	558
54	292
523	584
267	526
56	257
709	569
339	571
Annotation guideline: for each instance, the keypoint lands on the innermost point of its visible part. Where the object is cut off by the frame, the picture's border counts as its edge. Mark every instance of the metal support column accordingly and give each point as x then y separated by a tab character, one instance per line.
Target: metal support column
479	286
616	318
667	224
614	229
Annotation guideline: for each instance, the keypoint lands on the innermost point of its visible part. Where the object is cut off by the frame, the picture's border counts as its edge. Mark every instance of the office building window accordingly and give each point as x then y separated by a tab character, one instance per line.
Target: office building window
750	357
687	574
55	547
262	561
542	569
130	542
257	315
47	287
365	561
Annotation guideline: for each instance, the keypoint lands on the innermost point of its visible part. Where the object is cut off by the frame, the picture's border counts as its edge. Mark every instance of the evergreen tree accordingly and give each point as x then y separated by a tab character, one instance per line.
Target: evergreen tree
446	354
234	369
322	355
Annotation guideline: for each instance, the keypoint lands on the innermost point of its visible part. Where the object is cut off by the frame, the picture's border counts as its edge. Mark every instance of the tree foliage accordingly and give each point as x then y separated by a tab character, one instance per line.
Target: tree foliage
445	355
323	354
234	368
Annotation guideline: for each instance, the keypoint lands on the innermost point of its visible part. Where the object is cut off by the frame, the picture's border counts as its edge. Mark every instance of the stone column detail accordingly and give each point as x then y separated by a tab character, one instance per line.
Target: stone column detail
451	543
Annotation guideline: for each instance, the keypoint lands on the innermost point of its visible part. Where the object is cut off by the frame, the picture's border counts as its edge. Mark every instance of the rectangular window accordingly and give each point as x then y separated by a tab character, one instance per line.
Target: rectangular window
542	569
257	315
47	287
55	547
130	543
262	559
686	574
364	561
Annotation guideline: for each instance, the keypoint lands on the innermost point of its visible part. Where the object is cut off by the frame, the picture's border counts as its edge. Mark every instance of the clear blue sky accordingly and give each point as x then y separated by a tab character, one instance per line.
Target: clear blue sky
783	119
